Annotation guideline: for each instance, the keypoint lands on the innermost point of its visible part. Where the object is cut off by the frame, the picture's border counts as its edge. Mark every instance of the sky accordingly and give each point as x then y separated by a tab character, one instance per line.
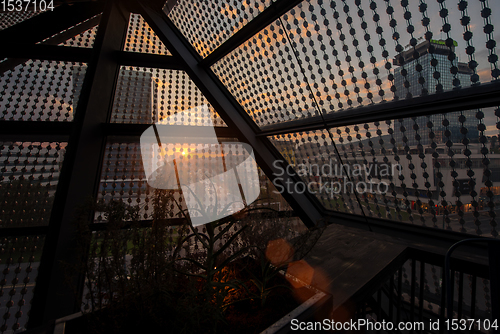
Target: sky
258	92
255	53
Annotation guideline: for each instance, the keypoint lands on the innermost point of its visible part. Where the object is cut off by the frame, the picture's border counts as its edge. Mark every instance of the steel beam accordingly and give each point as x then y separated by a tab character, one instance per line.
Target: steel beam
74	30
418	235
136	130
148	60
268	16
34	128
494	266
481	96
45	52
44	130
64	34
50	23
23	231
22	52
59	285
67	33
268	157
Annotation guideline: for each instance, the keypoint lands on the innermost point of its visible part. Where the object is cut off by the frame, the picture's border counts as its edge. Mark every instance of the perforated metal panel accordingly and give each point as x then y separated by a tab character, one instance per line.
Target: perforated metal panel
434	170
83	40
150	95
141	38
208	25
302	78
8	19
316	58
123	177
40	90
29	172
20	258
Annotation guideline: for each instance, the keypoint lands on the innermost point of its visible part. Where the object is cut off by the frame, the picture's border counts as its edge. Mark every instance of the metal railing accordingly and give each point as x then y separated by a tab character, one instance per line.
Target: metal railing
416	294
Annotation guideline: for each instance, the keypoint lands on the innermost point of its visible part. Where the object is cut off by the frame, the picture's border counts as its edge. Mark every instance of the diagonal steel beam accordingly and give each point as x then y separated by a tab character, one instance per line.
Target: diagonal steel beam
268	16
74	30
64	34
47	24
268	157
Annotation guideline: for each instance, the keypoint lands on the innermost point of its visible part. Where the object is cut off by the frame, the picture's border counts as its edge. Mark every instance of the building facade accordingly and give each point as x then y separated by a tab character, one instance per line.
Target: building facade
426	70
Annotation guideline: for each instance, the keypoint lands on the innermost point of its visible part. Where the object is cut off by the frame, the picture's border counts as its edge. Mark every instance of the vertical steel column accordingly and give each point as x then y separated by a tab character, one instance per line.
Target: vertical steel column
58	289
494	264
268	157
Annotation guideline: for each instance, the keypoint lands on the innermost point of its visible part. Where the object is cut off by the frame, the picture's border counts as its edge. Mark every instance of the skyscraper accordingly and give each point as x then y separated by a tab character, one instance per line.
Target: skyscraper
133	103
432	67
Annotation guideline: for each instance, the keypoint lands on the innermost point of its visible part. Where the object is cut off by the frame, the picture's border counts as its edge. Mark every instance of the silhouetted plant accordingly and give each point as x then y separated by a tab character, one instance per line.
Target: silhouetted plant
129	276
160	275
276	244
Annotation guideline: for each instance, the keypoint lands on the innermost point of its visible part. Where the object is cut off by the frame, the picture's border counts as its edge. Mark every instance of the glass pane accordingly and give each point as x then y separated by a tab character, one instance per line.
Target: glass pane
438	171
209	24
323	57
29	172
40	90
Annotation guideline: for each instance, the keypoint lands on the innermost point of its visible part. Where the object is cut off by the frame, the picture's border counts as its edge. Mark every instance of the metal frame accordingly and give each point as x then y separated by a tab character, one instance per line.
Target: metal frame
83	55
416	233
61	24
46	52
58	287
136	130
270	14
52	22
10	129
14	130
88	133
477	269
480	96
494	262
268	157
485	95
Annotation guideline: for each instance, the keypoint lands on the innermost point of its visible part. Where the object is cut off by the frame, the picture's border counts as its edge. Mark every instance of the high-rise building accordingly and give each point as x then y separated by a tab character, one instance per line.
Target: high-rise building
133	103
427	69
